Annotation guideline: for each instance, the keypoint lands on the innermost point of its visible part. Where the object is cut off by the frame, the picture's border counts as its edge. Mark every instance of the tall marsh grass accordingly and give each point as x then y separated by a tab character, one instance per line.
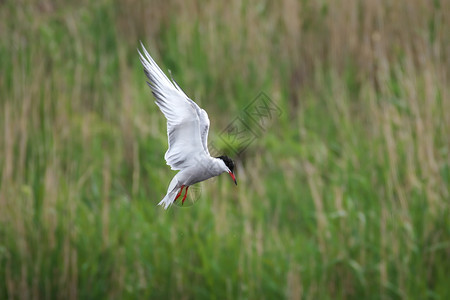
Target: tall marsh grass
346	195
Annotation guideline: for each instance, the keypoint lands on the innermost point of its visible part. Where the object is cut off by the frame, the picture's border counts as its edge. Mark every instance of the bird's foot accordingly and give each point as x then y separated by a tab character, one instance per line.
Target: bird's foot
179	193
185	194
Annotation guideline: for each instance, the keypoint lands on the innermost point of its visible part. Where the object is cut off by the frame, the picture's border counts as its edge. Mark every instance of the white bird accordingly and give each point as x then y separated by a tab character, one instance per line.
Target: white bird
187	130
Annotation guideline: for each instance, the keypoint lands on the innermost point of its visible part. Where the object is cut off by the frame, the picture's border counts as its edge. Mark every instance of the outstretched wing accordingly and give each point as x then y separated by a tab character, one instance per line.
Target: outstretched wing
204	126
187	123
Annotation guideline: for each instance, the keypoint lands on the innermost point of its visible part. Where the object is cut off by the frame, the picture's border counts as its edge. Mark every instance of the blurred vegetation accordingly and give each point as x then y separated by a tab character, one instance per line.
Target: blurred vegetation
346	195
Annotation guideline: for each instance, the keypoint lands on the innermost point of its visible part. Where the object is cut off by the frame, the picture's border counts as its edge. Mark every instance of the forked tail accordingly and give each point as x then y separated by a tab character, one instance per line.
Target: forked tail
168	199
171	194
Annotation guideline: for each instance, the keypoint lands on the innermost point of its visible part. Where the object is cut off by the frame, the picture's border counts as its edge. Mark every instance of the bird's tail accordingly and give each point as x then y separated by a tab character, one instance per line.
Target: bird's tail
171	194
168	199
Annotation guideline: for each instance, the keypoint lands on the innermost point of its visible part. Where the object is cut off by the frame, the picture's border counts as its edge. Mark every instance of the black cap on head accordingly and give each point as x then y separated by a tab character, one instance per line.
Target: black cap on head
228	162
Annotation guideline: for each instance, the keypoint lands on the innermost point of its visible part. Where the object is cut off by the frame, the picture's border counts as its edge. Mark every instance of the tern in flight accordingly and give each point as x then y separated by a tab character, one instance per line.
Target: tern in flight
187	131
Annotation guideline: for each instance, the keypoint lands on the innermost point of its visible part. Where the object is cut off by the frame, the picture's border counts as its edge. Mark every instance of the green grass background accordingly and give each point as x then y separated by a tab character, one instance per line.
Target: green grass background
344	196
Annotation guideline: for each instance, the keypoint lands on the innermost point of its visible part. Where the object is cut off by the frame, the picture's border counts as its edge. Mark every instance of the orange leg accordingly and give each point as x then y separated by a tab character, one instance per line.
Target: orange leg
178	195
185	194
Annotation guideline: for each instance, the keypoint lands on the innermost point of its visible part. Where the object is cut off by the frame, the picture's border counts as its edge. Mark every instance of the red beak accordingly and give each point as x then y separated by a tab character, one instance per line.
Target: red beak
232	177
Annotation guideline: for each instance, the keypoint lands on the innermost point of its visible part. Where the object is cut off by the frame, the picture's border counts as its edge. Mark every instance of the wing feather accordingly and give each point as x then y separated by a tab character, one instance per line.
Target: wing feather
187	123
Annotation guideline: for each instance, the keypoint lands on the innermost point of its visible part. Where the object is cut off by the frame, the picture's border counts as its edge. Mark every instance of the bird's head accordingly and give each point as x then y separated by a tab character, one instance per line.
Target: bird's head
228	166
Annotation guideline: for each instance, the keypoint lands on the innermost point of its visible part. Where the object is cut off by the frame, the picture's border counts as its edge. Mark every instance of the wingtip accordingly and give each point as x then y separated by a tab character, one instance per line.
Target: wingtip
142	46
